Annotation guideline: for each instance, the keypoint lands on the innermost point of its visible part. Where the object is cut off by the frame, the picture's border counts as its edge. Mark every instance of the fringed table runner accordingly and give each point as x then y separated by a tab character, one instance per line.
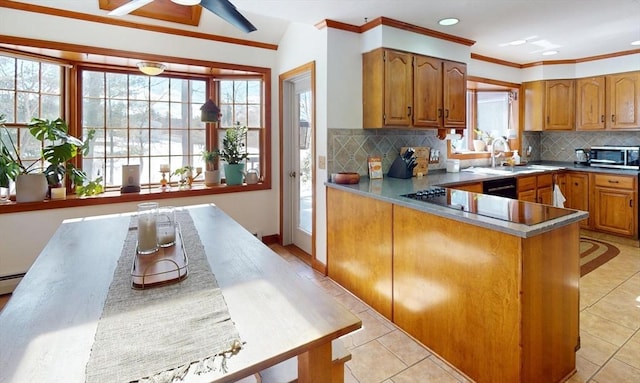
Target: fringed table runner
158	334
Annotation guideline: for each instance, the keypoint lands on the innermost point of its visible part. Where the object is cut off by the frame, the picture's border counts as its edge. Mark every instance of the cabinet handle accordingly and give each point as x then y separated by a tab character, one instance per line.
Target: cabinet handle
613	181
630	203
446	113
408	111
439	113
613	118
602	118
548	119
575	183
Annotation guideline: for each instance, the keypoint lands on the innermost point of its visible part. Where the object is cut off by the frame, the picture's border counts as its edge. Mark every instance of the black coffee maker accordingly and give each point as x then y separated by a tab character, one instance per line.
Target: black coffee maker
582	157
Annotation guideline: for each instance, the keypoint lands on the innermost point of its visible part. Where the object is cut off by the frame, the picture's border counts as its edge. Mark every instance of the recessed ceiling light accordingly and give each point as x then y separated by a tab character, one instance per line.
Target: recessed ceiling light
449	21
549	53
517	42
187	2
637	42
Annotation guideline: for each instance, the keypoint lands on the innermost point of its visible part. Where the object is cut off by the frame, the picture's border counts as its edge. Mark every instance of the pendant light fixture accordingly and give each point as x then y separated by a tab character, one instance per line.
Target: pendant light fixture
150	68
187	2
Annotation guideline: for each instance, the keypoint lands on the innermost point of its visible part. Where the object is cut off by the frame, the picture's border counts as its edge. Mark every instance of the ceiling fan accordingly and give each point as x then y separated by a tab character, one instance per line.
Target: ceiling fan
223	8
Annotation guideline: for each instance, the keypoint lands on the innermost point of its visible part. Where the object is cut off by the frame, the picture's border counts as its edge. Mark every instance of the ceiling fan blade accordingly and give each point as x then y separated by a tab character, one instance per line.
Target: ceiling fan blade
129	7
229	13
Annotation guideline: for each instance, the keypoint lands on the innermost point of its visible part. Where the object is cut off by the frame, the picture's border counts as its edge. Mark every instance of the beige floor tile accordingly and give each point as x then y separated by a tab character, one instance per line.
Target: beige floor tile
595	349
348	376
373	363
450	370
617	372
352	303
604	329
630	353
621	305
584	370
426	371
372	328
408	350
331	287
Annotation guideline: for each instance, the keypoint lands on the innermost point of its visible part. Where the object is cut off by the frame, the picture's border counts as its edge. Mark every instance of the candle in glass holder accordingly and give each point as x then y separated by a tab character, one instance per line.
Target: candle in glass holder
166	226
147	230
164	168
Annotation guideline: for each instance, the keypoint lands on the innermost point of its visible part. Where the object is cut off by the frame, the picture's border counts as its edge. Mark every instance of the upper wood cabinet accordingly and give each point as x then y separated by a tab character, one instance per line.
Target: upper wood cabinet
608	102
559	105
548	105
623	101
590	103
402	89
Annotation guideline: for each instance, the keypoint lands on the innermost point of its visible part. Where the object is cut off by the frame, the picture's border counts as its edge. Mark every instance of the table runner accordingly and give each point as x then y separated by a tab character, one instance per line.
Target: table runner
158	334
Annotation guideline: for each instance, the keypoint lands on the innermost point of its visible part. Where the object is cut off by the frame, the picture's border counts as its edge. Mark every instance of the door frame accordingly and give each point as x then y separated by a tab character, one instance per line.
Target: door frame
284	78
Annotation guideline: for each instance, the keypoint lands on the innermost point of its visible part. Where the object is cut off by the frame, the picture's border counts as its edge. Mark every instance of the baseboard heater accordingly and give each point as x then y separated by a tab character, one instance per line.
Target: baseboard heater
9	282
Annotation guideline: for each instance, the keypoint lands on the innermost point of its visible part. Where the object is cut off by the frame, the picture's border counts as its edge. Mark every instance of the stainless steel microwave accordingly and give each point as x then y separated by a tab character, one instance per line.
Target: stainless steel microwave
618	157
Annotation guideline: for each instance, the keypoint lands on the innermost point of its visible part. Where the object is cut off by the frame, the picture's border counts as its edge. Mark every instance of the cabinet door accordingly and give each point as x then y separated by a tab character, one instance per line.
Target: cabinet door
427	92
528	196
455	95
623	108
577	194
532	114
398	88
559	104
590	103
614	211
545	195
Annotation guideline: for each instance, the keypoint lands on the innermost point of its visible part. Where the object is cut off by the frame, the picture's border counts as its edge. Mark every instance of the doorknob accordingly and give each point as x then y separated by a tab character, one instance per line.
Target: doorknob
292	174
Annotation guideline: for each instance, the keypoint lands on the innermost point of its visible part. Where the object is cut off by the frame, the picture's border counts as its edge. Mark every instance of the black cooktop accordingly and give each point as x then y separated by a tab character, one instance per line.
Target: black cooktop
505	209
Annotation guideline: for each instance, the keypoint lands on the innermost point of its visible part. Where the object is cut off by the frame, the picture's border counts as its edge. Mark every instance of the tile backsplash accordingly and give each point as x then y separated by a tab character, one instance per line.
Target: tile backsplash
349	148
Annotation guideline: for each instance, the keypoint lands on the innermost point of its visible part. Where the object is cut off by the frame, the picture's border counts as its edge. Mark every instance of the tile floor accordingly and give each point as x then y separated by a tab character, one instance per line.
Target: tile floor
609	331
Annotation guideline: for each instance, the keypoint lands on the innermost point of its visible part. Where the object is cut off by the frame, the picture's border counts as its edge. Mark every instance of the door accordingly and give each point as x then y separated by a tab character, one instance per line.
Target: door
301	175
297	102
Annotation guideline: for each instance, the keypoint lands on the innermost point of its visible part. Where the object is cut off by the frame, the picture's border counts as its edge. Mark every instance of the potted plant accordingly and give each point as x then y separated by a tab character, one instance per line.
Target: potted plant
211	174
233	152
61	148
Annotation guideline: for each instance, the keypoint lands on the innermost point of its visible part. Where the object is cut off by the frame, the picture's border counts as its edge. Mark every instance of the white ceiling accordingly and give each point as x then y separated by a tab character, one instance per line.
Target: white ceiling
575	28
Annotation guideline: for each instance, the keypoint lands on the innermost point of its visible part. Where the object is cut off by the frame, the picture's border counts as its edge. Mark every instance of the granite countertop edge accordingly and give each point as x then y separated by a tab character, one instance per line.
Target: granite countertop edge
391	190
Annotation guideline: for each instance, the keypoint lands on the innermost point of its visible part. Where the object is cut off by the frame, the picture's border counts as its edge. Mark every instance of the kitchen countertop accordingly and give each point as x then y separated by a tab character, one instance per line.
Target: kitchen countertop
391	190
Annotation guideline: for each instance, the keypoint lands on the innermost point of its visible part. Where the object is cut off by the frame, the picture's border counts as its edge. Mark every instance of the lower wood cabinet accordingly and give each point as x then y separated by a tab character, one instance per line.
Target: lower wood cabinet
537	189
576	193
615	204
498	307
359	247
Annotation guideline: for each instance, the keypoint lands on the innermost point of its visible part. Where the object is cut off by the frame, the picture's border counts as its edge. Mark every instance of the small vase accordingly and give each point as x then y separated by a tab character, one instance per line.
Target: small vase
479	146
211	177
234	173
31	187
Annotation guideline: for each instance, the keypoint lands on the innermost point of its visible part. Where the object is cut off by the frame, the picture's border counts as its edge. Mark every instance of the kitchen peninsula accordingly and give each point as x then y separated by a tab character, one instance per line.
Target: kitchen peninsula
495	298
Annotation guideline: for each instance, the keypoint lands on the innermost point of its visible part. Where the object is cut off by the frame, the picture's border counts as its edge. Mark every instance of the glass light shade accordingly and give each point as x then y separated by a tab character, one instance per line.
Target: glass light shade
151	68
187	2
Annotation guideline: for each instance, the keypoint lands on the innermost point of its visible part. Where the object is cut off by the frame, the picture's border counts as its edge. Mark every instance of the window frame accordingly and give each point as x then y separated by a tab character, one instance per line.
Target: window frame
478	84
71	112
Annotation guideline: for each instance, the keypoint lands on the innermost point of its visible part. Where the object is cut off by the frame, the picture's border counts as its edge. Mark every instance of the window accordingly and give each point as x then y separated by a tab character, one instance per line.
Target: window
241	102
143	120
492	111
28	89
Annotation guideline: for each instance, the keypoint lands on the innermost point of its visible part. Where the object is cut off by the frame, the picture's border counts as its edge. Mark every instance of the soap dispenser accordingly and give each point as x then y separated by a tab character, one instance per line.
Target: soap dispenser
516	157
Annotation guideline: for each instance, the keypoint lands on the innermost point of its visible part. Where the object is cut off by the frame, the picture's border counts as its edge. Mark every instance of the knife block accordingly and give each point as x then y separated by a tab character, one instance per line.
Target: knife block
399	169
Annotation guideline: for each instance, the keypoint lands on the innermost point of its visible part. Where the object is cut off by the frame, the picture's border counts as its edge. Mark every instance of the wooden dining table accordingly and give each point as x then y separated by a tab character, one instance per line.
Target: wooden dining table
47	328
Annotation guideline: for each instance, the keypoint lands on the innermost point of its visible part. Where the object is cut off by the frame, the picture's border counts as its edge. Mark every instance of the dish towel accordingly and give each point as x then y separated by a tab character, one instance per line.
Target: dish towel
558	198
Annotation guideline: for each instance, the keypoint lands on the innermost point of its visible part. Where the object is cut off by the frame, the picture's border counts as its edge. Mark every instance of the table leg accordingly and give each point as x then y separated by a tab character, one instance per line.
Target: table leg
314	366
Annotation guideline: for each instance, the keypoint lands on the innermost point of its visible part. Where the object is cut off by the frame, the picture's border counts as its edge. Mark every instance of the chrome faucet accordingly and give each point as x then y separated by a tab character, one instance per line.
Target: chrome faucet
505	146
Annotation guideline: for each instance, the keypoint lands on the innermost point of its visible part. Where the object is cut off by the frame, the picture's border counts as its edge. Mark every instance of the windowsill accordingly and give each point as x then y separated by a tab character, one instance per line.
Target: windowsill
110	197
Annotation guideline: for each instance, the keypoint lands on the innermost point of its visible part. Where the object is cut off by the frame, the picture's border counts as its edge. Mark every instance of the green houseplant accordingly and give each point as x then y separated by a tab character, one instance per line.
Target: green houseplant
59	149
211	174
233	152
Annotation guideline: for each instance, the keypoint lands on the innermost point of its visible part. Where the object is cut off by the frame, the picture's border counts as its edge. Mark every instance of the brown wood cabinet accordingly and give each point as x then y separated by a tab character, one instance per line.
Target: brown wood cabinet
623	101
615	204
402	89
590	103
359	247
537	189
608	102
548	105
576	193
475	187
